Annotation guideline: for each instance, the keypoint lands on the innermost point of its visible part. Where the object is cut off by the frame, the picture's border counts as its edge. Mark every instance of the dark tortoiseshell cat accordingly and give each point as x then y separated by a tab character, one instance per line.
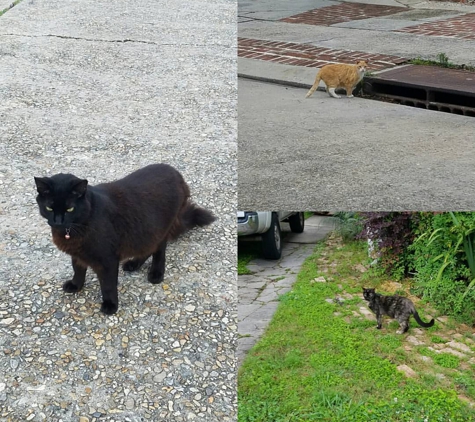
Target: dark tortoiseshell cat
397	307
133	217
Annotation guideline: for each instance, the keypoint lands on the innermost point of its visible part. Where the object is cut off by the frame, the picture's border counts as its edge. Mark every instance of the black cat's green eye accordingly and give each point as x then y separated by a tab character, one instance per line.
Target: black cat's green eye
49	209
70	209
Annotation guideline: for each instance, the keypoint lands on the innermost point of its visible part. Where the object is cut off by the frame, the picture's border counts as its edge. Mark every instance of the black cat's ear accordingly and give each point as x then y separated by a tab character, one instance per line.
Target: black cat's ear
79	188
42	185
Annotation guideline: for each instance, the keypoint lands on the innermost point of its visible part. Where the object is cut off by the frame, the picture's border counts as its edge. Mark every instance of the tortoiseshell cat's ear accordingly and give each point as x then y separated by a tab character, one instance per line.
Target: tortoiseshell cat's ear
42	185
79	188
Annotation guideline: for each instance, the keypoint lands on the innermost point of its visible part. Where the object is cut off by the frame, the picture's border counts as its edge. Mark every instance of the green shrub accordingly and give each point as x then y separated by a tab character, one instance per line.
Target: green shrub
349	225
442	272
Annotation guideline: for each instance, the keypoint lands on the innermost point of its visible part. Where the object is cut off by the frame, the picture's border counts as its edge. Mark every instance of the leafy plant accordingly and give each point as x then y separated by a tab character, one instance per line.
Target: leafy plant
348	225
463	236
391	233
443	262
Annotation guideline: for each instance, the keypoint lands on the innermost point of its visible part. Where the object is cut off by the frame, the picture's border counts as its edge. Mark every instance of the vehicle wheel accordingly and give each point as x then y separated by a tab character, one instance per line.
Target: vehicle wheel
297	222
271	240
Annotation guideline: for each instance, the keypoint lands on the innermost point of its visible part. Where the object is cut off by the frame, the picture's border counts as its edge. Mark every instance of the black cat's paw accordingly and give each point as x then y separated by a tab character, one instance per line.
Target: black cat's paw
155	278
378	327
69	287
109	308
132	265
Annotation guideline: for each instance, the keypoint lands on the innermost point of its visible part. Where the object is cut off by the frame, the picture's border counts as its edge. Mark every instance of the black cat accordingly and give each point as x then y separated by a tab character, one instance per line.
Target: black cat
133	217
397	307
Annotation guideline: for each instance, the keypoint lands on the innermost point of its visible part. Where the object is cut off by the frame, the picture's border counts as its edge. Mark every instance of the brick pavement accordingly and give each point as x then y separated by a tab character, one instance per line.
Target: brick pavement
462	27
345	12
308	55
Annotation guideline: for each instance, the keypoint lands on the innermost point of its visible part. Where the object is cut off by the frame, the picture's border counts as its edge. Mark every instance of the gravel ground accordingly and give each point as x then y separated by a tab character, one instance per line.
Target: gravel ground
100	108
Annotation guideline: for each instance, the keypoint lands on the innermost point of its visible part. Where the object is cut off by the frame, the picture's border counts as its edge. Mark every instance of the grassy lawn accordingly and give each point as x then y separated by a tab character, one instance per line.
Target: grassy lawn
322	359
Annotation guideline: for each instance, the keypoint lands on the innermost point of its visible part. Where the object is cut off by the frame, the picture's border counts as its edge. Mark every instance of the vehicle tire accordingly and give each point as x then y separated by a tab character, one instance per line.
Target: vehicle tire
271	240
297	222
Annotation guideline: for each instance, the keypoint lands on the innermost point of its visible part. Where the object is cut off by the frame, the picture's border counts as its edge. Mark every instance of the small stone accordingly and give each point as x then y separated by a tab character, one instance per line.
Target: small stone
190	308
129	404
319	280
83	419
7	321
88	390
409	372
460	346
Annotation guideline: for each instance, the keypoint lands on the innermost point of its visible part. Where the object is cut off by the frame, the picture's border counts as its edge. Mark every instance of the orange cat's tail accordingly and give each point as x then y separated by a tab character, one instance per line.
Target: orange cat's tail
314	86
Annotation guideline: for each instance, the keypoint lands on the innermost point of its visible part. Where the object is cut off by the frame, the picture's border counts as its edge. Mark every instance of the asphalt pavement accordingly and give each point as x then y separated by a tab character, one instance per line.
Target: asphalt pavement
323	153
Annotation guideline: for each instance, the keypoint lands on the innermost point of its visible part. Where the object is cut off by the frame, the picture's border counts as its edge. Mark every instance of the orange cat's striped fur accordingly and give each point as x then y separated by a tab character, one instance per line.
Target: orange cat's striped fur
340	76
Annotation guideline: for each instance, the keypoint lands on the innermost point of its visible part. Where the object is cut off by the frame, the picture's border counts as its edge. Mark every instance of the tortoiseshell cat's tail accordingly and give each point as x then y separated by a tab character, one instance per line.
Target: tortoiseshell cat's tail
422	323
191	216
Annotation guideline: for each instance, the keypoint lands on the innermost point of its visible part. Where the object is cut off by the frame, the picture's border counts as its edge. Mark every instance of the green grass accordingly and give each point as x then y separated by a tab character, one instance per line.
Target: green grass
314	366
442	61
9	7
247	251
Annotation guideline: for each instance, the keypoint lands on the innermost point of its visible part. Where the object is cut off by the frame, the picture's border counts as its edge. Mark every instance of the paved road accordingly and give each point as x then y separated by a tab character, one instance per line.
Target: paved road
349	154
258	293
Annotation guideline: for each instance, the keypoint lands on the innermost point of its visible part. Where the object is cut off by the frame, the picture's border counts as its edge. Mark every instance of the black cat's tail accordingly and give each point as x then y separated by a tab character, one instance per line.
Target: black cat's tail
191	216
194	216
422	323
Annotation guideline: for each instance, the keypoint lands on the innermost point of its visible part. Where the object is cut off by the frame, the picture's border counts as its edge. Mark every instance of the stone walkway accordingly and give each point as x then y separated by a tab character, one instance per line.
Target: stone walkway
259	292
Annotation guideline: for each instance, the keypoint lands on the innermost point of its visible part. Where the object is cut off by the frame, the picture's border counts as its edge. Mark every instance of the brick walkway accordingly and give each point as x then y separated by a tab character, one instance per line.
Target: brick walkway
345	12
462	27
310	56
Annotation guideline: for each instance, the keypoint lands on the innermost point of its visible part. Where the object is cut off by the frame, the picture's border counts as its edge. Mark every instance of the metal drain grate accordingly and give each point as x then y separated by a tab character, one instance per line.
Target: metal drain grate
433	88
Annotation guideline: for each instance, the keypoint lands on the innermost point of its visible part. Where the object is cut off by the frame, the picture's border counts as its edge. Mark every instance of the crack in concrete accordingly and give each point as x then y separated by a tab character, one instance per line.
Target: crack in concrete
257	19
125	40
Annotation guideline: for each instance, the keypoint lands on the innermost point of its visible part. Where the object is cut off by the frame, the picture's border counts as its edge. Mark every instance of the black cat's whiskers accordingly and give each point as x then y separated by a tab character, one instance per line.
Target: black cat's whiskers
76	229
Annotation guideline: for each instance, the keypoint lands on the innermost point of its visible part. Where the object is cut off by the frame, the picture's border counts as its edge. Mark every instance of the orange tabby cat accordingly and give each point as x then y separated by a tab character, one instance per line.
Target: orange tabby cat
340	76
